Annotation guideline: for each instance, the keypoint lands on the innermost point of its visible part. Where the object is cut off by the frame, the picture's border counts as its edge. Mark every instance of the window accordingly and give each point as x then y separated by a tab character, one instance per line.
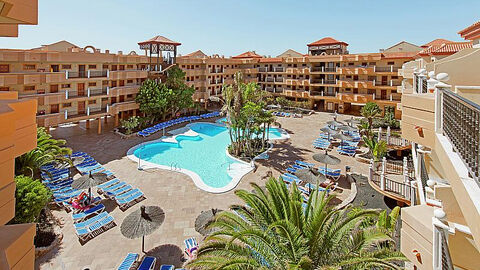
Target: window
66	85
364	64
66	66
121	67
30	88
372	64
92	66
4	88
104	82
28	67
391	63
129	81
92	102
65	105
351	64
129	66
104	66
4	68
41	91
92	84
394	77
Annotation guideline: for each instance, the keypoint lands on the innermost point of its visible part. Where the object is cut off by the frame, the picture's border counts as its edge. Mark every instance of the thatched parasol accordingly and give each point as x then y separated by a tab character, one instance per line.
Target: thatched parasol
309	176
329	131
342	137
335	123
89	181
352	121
141	222
326	159
204	219
348	128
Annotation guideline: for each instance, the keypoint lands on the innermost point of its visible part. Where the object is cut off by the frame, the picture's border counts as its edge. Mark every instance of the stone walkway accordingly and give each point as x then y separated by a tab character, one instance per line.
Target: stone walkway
175	193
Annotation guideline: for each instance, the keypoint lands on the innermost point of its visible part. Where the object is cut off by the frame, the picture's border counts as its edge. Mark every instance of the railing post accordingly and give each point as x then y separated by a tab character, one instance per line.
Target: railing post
66	94
323	69
108	73
388	135
88	92
374	70
108	109
373	82
405	167
438	111
412	193
391	98
88	74
391	68
108	90
380	133
371	171
66	74
382	175
88	110
66	114
373	95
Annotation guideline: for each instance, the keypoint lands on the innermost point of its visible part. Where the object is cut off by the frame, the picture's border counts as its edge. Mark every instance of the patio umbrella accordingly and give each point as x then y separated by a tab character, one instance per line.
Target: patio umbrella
310	176
342	137
141	222
348	128
329	131
335	123
326	159
352	121
88	181
335	115
204	219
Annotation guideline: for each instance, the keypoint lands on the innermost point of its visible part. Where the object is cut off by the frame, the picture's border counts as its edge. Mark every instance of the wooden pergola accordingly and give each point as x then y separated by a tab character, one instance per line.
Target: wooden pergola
157	45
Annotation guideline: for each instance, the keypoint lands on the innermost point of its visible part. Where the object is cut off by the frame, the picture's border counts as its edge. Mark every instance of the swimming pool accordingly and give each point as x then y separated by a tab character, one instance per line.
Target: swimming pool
200	152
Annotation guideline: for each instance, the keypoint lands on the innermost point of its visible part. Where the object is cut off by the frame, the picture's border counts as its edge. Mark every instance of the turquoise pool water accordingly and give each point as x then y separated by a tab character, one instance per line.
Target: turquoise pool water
204	154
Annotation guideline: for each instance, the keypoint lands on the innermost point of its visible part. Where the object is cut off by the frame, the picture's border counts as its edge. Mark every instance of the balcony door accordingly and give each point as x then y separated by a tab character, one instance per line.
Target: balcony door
384	80
81	89
54	108
54	68
54	88
384	95
81	107
4	68
81	71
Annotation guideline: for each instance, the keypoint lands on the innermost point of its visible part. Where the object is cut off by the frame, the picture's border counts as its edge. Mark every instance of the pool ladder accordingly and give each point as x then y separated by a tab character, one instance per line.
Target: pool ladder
174	166
226	163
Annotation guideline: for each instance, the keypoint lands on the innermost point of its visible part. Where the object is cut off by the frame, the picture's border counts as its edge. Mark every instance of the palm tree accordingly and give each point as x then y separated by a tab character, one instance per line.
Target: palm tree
377	148
274	230
370	111
48	150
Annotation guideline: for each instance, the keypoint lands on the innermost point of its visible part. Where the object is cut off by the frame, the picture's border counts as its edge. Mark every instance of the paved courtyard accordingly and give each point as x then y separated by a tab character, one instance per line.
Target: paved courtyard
174	192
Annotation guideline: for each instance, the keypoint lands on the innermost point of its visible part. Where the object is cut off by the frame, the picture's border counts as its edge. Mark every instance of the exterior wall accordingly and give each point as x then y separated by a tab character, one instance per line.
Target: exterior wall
72	85
453	191
340	83
15	12
17	136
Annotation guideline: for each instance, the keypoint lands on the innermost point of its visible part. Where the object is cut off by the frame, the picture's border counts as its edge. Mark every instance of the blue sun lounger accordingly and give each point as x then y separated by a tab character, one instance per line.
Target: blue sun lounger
85	214
126	202
167	267
90	221
109	183
304	164
128	262
114	187
148	263
119	191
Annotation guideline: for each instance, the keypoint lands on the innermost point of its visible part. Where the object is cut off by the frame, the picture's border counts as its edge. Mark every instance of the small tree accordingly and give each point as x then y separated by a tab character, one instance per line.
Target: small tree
370	111
378	149
153	100
283	102
130	124
30	198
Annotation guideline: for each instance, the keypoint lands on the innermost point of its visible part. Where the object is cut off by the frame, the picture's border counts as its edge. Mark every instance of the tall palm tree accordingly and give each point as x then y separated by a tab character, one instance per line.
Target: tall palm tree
275	230
48	150
370	111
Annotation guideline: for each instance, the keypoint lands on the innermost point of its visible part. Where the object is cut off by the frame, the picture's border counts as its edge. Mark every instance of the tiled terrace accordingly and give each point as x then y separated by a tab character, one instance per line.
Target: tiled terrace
175	193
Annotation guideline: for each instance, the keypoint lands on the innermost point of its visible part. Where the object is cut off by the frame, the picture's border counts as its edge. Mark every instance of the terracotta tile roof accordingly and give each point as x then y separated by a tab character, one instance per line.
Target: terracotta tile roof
446	48
160	40
198	54
438	41
326	41
249	54
270	60
472	32
399	55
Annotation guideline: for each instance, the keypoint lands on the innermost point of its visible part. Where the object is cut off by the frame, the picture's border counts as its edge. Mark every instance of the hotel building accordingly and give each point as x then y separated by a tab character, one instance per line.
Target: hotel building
17	136
441	117
328	77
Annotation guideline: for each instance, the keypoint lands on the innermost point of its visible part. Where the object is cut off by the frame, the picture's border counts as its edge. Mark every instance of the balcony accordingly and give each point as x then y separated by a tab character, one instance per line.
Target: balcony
269	79
279	80
122	106
216	70
356	83
262	69
390	69
323	69
278	69
356	70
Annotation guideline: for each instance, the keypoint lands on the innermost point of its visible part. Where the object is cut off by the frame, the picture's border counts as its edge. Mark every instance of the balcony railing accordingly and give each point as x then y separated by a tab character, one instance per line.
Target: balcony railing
262	69
98	73
269	79
420	84
279	80
76	74
323	69
461	125
278	69
385	69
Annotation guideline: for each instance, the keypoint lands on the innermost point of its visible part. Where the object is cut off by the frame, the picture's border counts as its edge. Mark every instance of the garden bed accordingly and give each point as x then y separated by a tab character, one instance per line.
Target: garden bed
47	237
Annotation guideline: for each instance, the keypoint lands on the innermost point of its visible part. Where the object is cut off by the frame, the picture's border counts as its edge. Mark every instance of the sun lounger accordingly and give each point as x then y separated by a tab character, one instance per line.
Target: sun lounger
78	217
88	222
148	263
109	183
335	174
167	267
84	233
348	152
127	193
304	164
126	202
291	170
113	187
128	262
289	180
190	246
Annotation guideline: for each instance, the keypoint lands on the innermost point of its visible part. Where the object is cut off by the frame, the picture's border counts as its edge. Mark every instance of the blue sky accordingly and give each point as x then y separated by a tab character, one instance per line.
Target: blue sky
232	27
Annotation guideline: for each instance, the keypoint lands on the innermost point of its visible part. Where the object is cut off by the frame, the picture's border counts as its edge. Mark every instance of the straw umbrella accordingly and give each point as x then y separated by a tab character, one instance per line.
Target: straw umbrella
88	181
309	176
352	121
204	219
342	137
326	159
348	128
335	123
141	222
329	131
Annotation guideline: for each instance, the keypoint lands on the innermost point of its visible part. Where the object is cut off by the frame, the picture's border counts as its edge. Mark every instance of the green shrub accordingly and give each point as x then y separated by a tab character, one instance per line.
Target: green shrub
130	124
31	197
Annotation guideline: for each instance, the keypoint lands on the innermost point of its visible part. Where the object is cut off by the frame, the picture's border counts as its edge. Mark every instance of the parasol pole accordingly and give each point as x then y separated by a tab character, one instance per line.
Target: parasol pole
143	243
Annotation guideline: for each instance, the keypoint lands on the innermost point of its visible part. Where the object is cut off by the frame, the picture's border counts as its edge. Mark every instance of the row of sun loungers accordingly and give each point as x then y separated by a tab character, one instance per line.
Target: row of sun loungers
131	261
160	126
93	226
